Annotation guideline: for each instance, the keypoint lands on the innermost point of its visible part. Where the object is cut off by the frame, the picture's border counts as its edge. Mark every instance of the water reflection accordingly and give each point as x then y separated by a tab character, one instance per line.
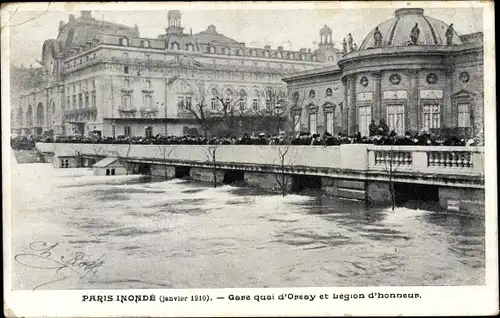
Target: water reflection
182	234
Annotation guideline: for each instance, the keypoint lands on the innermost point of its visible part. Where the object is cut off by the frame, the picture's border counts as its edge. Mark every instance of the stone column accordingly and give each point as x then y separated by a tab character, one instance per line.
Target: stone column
351	104
344	105
377	106
449	117
413	108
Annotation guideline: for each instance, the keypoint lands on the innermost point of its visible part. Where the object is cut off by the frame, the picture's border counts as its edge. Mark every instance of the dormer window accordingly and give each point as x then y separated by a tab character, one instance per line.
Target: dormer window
238	52
145	43
174	46
189	47
223	50
266	53
253	53
124	41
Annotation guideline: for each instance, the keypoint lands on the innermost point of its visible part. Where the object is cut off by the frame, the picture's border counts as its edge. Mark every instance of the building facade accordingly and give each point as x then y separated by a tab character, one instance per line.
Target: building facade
414	71
101	77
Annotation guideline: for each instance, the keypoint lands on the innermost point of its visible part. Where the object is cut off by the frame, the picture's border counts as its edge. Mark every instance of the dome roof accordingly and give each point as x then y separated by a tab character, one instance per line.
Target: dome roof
396	31
176	14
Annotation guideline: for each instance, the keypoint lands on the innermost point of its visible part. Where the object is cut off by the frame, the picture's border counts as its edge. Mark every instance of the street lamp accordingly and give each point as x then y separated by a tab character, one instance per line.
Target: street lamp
114	128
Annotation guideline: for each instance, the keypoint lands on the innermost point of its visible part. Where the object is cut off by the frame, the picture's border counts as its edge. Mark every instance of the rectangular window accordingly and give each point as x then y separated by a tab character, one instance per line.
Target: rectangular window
127	131
125	55
149	132
296	123
126	82
365	116
180	102
94	101
255	104
148	101
268	104
312	123
147	56
329	122
213	104
396	118
87	100
74	101
80	100
148	84
125	69
431	116
68	104
189	102
242	104
463	115
126	101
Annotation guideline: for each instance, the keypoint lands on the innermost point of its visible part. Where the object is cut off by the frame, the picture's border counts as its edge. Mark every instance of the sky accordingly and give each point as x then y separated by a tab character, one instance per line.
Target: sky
293	26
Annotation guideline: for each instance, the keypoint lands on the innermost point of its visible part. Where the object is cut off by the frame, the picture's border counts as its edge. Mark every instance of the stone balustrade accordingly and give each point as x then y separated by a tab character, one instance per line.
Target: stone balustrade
432	159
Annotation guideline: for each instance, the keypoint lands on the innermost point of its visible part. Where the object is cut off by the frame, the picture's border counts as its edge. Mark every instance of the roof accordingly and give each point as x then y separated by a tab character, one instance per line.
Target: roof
396	31
65	153
211	35
105	162
85	28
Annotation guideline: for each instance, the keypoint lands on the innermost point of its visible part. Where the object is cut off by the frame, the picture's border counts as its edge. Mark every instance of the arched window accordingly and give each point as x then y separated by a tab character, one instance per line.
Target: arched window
266	53
312	94
253	52
212	50
124	41
328	92
145	43
189	47
280	55
174	46
238	52
296	97
330	59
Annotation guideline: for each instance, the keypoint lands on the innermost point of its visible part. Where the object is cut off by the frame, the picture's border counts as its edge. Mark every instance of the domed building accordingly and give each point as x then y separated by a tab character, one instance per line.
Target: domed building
414	71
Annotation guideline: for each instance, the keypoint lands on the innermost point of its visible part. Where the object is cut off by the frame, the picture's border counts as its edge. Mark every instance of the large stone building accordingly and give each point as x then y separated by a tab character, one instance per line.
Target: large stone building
102	77
414	71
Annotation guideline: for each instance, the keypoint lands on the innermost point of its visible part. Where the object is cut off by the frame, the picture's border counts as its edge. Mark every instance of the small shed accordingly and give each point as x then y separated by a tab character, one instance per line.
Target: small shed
63	159
110	166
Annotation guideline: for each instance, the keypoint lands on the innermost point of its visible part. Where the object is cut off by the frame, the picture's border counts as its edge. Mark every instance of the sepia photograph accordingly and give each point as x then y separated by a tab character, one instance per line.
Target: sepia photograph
247	146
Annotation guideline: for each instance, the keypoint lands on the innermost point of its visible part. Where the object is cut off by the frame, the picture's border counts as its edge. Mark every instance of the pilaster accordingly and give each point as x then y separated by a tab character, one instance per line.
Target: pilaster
377	105
413	111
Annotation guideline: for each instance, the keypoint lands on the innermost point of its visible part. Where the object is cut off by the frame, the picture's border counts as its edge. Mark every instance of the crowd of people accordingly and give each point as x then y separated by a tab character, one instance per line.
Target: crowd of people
303	138
22	143
378	135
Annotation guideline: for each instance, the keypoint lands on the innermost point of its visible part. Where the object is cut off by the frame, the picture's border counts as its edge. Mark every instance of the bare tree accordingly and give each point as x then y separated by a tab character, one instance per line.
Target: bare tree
164	152
392	161
211	152
281	177
210	109
271	108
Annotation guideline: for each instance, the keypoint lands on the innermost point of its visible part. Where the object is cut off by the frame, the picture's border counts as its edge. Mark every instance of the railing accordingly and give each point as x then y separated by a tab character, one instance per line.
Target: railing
430	159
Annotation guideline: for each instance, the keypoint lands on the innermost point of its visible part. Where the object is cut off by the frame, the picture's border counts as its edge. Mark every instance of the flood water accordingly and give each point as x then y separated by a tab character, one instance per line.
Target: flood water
73	230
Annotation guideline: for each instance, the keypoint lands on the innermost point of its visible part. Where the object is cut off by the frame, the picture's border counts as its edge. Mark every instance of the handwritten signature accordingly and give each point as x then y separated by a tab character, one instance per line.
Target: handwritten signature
40	256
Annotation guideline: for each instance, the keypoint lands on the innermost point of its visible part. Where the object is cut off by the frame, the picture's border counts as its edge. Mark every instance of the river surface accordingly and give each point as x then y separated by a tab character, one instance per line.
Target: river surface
73	230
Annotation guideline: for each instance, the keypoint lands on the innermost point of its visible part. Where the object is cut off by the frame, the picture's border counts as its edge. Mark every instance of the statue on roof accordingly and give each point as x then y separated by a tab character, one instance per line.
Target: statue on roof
449	34
355	47
414	34
349	42
377	37
344	46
